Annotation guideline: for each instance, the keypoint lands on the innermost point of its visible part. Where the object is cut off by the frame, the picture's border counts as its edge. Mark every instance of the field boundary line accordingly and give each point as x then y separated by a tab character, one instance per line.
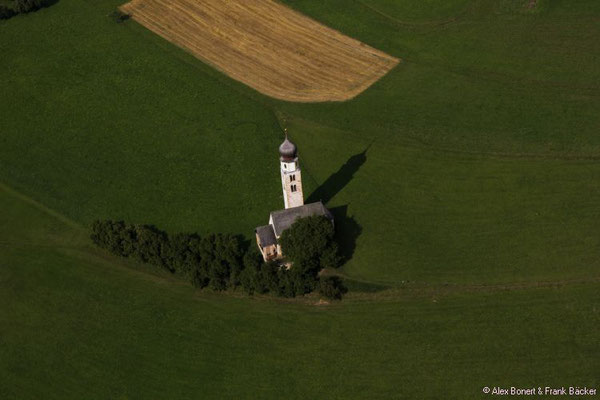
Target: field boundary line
40	206
432	23
437	291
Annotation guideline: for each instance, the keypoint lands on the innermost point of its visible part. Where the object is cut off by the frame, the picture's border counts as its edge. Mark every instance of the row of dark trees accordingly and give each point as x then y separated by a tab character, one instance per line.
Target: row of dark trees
22	7
224	261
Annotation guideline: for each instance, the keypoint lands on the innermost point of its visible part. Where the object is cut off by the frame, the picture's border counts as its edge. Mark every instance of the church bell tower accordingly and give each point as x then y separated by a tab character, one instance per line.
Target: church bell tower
291	180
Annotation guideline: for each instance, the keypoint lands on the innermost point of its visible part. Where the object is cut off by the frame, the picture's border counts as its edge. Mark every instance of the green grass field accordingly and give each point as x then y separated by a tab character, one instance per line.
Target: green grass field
468	176
80	325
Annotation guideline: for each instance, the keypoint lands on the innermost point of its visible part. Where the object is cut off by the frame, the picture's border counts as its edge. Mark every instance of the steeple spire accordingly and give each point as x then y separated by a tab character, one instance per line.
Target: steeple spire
291	180
288	150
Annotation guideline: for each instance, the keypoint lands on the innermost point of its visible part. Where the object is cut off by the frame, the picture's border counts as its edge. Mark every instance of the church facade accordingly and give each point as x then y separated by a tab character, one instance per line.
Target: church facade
267	236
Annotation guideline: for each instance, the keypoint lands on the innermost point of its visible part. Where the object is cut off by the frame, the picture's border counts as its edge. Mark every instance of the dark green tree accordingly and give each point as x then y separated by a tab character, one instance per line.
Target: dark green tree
149	244
109	235
250	277
25	6
206	258
230	255
332	287
220	261
286	283
180	252
269	276
309	243
330	257
304	280
6	13
127	239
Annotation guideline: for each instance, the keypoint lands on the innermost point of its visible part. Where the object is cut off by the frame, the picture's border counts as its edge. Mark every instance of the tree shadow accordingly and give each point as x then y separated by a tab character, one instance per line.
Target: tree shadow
119	16
14	8
339	179
363	287
347	230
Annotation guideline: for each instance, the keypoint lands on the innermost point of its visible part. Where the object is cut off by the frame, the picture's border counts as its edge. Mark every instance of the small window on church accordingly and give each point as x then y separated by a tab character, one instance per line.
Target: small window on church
293	188
292	178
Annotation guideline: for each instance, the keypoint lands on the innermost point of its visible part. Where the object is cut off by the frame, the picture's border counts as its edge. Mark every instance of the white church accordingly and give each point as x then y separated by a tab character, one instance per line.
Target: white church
267	236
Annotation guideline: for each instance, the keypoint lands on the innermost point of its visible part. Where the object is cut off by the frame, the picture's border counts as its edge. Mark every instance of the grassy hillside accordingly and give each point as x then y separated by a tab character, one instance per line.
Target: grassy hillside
483	144
465	181
484	141
77	324
104	120
440	216
490	77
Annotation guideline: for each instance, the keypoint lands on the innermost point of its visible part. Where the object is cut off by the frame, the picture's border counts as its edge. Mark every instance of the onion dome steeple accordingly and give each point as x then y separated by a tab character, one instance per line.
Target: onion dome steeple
287	149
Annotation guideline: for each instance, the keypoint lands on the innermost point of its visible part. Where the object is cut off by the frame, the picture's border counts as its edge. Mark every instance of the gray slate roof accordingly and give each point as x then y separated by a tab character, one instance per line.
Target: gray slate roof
266	236
283	219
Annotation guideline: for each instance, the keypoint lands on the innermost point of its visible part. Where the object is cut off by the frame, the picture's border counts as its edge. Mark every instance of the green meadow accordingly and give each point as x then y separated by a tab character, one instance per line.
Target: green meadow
466	183
77	323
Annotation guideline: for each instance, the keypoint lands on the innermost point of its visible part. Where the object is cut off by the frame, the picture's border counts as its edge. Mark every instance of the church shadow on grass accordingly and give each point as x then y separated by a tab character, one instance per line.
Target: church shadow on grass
347	230
339	179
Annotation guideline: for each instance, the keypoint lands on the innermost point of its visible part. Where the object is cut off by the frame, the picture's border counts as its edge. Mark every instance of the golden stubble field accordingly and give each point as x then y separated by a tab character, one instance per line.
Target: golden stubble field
267	46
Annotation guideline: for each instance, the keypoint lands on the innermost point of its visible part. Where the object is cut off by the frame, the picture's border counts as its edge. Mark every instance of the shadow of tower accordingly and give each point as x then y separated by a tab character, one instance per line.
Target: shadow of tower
338	180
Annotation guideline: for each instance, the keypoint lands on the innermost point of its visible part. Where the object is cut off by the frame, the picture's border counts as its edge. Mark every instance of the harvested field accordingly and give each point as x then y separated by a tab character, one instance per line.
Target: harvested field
267	46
